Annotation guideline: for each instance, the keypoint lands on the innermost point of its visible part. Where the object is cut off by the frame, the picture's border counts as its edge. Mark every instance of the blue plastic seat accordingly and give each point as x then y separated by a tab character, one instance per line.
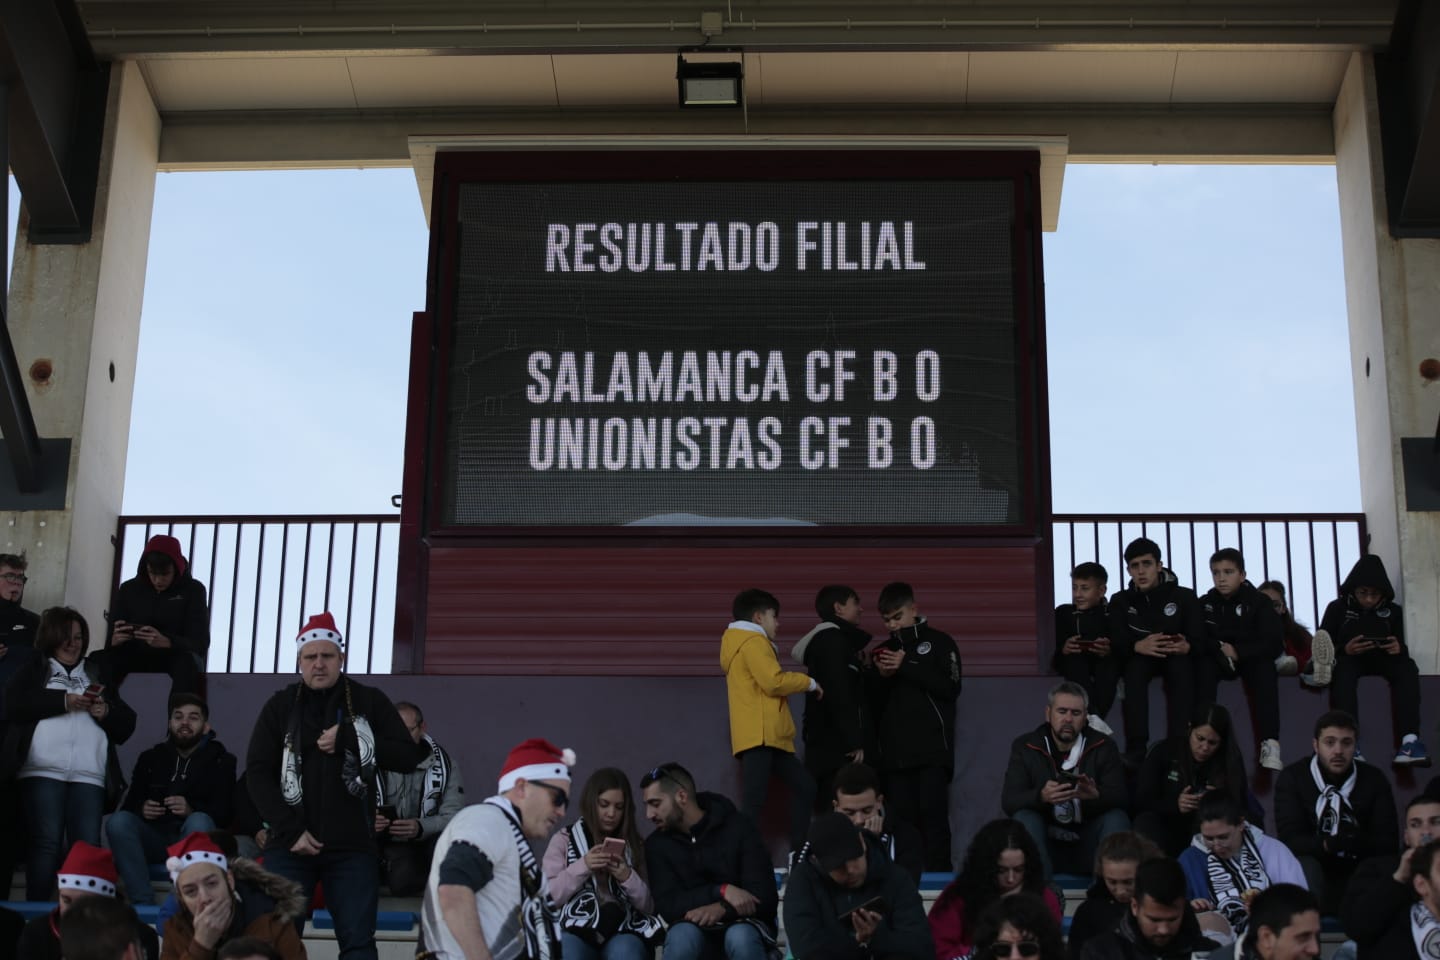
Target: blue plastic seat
388	920
27	909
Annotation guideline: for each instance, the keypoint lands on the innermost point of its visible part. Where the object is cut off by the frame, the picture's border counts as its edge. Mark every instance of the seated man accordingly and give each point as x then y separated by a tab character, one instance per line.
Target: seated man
1230	859
1284	925
1408	929
1333	810
1160	922
1380	894
709	871
845	899
101	928
423	801
88	871
857	795
160	623
180	786
1066	785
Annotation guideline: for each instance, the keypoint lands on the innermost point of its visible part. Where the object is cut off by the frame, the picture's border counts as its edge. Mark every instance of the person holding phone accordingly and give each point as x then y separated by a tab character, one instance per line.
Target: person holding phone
846	899
414	807
1380	897
160	621
595	869
1181	770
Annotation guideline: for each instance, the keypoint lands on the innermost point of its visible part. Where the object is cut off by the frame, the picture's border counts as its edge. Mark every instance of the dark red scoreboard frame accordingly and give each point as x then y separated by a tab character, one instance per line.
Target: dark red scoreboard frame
596	601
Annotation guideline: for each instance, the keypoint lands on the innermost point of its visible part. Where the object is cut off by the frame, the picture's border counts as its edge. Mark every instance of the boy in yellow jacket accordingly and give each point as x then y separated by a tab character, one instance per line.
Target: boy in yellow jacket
762	731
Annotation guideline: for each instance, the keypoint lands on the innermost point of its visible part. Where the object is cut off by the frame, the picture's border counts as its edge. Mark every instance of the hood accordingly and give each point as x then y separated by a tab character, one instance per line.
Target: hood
288	896
798	651
736	636
1369	571
1188	941
167	546
717	809
857	638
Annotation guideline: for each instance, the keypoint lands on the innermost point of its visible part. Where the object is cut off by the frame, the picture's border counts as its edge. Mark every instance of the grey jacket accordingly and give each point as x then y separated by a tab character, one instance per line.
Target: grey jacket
407	790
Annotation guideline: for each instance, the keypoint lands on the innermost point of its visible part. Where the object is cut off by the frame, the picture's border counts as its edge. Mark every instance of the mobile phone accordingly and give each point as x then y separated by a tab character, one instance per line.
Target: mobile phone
874	905
1067	776
159	791
94	690
615	847
388	811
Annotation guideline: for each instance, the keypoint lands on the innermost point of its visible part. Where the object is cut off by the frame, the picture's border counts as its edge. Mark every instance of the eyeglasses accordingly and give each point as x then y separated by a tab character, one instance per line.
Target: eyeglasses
14	577
1022	948
558	797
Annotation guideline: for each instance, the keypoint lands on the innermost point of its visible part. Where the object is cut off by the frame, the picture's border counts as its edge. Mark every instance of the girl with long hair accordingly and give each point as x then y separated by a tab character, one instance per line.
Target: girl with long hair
1181	770
595	871
1002	862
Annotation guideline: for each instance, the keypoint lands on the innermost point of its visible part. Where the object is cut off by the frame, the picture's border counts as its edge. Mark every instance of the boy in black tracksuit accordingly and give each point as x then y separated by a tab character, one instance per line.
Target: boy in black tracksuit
1245	632
837	729
1367	628
1156	626
1083	653
918	685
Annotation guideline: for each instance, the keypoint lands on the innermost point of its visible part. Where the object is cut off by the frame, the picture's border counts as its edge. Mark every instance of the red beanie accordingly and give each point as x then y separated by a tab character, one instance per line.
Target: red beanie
88	868
536	760
167	546
321	627
192	849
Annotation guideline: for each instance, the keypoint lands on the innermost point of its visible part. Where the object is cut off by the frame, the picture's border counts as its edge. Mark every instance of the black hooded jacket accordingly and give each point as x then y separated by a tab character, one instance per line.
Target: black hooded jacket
1092	623
724	847
917	704
1246	619
1345	619
179	612
814	905
839	723
1167	608
1125	942
206	779
1098	915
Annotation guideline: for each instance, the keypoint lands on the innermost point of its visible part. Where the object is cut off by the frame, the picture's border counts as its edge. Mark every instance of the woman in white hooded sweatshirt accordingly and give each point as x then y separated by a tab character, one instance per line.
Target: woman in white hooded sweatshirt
63	723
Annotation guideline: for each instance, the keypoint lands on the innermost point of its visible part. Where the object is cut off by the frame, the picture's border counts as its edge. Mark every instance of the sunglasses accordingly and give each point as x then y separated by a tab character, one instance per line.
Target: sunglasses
1024	948
662	772
559	798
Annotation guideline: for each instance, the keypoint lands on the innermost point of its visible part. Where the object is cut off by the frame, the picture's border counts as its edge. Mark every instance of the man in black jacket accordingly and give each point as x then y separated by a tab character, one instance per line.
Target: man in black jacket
918	685
847	901
1401	911
1064	785
1160	924
837	728
709	872
857	795
311	770
1333	811
1380	894
1244	632
1156	630
180	786
160	622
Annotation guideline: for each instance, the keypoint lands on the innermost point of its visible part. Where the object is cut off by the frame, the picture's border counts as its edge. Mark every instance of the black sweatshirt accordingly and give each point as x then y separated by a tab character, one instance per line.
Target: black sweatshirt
1345	619
917	711
1245	619
814	904
179	613
206	779
724	847
1165	608
839	723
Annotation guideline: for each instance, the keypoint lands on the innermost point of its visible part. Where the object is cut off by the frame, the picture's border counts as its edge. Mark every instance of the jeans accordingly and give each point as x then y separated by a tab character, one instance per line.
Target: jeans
138	842
622	946
740	941
352	892
1076	856
756	766
56	815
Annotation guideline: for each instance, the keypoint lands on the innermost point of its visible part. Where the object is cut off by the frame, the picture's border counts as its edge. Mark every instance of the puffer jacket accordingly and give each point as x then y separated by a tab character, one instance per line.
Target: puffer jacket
756	688
266	908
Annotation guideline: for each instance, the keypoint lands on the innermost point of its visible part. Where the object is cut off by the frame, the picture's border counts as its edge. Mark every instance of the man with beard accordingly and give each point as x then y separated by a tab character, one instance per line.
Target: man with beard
1065	785
1160	925
1333	810
1380	894
709	871
486	896
837	728
311	769
184	785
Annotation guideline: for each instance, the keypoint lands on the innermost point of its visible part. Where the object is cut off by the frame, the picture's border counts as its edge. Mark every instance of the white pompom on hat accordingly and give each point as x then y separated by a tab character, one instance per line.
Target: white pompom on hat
321	627
192	849
89	869
536	759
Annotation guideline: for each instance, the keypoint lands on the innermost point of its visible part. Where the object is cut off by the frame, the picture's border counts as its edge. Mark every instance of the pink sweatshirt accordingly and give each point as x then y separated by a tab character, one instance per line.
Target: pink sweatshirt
564	881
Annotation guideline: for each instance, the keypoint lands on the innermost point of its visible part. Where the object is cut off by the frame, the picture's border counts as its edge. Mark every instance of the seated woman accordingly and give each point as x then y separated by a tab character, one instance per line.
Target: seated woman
222	901
595	871
1002	862
1019	926
1181	770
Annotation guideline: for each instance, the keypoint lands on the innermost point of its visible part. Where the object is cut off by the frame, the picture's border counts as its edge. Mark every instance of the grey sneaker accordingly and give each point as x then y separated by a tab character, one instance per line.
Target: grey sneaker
1322	655
1286	665
1270	755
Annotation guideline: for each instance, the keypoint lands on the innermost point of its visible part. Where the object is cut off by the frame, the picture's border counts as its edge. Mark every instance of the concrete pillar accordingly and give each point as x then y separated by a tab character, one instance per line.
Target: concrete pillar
75	311
1392	292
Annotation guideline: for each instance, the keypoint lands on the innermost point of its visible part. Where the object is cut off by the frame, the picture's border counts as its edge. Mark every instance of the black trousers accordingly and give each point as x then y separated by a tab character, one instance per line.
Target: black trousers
1262	686
136	656
1398	670
1098	675
921	795
756	767
1185	676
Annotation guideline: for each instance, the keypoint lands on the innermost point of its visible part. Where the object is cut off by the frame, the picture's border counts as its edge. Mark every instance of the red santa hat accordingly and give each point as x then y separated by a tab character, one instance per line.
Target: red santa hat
321	627
192	849
536	760
89	869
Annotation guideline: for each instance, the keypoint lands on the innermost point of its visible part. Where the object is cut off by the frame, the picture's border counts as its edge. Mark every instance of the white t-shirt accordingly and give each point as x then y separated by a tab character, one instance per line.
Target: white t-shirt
483	826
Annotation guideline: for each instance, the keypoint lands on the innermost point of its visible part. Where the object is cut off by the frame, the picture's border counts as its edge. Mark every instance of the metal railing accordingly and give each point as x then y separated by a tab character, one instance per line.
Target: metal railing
266	574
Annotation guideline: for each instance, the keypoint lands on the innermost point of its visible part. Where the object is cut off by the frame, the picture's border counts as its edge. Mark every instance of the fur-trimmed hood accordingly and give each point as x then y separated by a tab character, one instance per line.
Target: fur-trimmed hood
264	892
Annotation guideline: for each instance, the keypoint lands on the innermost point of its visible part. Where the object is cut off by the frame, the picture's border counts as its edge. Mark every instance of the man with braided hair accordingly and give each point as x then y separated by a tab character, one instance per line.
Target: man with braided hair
311	771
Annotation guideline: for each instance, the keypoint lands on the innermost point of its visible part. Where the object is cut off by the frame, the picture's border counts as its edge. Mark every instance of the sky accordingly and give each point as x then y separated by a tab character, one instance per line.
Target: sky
1197	343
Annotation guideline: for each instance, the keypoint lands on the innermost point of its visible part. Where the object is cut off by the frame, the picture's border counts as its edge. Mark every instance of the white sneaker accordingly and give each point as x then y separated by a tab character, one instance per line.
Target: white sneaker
1270	755
1099	726
1286	665
1322	655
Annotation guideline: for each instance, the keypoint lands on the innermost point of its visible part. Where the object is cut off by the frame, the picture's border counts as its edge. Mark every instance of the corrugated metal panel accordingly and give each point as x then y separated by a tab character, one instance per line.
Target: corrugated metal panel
612	611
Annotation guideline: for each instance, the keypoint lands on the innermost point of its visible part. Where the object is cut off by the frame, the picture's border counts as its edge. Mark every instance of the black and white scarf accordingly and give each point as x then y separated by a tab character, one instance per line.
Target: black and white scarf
357	768
1425	929
437	778
1066	813
1230	879
538	923
1334	816
582	911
